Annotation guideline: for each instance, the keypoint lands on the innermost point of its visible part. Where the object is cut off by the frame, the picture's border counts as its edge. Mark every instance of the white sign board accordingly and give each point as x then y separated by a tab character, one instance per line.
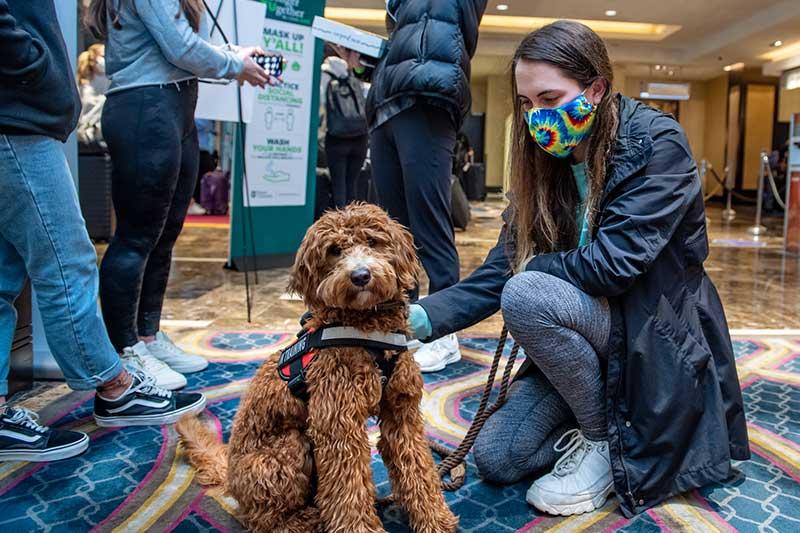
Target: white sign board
353	38
218	101
276	149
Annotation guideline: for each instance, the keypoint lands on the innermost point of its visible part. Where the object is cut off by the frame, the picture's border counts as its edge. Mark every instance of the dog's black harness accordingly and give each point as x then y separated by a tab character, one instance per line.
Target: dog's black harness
295	359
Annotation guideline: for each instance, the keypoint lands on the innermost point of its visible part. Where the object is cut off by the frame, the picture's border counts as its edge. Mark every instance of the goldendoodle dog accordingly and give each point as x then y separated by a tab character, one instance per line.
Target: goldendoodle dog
298	464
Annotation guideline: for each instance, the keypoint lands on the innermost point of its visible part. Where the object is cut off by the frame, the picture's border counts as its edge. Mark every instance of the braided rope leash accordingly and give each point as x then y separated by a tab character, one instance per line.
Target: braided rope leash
453	464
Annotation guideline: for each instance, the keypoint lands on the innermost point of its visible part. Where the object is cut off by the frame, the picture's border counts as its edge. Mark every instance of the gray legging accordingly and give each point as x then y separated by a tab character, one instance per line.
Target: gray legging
564	332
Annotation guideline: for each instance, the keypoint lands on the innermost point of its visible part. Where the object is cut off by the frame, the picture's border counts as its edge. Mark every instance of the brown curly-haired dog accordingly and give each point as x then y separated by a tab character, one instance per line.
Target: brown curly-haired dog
269	464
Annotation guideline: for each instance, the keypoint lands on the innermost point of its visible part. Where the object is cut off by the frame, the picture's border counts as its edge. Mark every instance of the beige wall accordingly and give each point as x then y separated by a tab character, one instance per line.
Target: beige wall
692	116
714	124
479	95
788	103
759	110
619	80
498	107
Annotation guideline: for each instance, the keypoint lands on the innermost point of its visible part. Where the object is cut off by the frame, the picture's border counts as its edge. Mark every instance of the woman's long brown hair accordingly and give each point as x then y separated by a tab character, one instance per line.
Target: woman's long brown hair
100	11
544	196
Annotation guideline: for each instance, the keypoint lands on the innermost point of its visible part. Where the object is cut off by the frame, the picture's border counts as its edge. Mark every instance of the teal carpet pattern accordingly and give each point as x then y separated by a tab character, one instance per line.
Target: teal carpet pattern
136	479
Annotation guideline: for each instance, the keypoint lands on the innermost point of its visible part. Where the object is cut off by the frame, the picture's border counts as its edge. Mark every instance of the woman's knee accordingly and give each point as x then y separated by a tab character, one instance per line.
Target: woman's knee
527	299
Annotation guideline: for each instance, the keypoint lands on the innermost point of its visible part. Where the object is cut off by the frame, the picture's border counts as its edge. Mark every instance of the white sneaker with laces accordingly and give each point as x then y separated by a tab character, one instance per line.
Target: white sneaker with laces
434	356
139	357
167	351
580	481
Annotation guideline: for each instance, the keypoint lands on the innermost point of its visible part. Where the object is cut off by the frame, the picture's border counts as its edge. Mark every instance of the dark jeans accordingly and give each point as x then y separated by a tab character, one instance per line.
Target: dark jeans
345	158
152	140
411	157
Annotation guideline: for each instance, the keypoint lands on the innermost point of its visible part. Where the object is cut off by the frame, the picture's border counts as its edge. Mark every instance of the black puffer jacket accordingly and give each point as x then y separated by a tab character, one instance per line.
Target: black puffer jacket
38	94
429	55
674	406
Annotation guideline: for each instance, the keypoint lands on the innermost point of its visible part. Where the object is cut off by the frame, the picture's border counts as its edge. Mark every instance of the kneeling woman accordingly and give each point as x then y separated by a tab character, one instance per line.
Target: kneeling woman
599	275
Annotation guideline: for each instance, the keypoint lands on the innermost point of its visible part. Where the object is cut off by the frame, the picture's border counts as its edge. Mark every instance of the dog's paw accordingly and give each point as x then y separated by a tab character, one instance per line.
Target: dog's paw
443	522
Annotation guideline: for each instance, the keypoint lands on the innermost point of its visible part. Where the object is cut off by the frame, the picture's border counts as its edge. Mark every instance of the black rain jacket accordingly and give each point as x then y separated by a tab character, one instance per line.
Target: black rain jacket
674	405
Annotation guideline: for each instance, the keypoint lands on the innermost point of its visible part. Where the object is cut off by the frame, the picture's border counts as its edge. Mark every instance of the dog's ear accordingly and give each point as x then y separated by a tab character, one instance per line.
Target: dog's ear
405	259
307	264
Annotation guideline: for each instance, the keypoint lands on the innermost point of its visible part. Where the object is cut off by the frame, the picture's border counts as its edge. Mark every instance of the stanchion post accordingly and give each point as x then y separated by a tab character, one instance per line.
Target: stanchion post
703	171
729	213
757	229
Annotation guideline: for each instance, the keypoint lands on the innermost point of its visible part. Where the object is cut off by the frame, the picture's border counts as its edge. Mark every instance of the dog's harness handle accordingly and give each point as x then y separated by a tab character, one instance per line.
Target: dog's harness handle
294	360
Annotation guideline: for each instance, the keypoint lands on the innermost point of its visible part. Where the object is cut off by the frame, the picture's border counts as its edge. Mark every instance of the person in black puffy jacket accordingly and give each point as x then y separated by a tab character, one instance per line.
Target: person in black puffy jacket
419	96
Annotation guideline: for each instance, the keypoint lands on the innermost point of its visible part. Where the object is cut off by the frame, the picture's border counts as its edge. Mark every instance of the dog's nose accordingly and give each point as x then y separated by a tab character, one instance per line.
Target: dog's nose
360	277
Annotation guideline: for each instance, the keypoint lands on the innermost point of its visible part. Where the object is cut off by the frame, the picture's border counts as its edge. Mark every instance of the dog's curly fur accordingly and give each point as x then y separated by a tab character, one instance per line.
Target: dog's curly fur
270	463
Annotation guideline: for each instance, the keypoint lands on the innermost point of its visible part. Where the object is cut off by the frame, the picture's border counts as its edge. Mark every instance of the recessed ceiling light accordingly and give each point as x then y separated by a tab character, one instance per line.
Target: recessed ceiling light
735	66
502	7
611	12
776	44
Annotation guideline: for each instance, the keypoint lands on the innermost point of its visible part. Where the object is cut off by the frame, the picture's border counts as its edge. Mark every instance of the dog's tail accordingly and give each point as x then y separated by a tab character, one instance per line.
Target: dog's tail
206	454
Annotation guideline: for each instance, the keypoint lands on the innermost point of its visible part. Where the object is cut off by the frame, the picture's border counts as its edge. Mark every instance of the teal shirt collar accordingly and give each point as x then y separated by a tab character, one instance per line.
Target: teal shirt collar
579	173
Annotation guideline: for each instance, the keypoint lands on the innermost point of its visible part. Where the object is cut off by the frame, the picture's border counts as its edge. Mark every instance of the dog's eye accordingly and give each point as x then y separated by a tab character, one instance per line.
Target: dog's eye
334	250
371	242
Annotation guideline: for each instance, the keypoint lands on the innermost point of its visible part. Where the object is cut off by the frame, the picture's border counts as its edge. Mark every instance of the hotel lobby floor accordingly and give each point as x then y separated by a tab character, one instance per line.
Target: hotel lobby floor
137	479
757	282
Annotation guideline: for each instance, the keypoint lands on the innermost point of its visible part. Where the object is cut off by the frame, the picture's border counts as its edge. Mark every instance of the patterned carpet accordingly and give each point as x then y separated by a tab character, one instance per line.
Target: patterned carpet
134	479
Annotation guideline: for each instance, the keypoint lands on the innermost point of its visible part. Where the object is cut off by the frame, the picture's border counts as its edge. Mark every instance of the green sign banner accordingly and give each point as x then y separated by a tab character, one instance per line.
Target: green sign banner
274	185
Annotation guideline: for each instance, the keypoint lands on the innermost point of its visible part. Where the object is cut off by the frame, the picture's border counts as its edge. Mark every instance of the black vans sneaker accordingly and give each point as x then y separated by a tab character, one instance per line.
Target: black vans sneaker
23	439
144	404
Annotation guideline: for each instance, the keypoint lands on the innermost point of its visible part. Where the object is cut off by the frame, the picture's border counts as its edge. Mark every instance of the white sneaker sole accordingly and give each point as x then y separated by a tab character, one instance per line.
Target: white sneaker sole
586	506
187	367
452	357
54	454
151	420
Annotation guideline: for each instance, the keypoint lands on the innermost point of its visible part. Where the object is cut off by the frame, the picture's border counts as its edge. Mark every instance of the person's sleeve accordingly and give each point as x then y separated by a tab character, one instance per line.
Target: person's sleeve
473	299
182	46
471	15
24	59
637	224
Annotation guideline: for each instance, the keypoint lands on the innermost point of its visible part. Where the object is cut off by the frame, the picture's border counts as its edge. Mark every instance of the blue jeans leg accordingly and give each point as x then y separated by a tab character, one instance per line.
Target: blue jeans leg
12	280
40	220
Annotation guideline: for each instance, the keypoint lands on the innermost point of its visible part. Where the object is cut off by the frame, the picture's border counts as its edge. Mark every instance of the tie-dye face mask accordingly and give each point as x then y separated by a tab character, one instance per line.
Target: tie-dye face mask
559	130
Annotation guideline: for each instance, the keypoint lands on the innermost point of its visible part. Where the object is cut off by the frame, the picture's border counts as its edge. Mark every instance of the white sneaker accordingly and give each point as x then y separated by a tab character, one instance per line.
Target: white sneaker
434	356
196	209
580	481
139	357
167	351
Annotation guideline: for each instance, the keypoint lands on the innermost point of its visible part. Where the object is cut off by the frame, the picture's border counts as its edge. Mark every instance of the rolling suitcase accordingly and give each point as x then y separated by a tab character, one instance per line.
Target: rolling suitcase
475	178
